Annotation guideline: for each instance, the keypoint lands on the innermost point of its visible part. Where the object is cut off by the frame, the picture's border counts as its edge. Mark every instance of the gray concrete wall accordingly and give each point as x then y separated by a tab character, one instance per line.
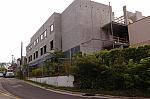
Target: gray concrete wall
81	25
139	32
57	29
70	28
61	81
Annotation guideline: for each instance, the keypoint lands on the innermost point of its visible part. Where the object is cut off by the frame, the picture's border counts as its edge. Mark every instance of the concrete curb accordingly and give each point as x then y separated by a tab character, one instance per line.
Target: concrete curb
83	94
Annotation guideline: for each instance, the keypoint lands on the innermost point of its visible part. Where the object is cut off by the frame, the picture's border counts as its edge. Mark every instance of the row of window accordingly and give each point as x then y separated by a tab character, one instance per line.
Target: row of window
43	51
42	36
35	55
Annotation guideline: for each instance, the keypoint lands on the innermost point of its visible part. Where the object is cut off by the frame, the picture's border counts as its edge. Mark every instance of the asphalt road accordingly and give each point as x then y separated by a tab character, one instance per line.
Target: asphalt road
4	94
17	89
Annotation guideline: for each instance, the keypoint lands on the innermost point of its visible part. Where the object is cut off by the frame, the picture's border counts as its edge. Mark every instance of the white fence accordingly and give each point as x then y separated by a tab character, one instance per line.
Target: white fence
62	81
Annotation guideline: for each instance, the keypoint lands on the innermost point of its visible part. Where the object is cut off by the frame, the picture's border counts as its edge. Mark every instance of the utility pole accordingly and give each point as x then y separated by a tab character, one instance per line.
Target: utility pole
21	53
21	60
12	59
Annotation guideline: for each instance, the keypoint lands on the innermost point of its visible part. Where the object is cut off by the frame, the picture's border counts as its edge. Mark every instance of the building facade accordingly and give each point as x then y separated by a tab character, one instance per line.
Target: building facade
76	29
84	26
81	26
45	40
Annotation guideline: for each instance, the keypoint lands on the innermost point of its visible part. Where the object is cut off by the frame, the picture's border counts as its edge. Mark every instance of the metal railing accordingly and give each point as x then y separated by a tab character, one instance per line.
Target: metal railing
119	39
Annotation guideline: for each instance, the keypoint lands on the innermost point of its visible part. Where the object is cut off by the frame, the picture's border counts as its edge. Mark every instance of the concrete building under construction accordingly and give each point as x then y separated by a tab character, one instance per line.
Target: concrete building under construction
84	26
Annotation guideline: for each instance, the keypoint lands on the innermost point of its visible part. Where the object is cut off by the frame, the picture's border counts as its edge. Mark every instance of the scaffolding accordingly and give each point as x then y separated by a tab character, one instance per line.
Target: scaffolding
119	38
119	20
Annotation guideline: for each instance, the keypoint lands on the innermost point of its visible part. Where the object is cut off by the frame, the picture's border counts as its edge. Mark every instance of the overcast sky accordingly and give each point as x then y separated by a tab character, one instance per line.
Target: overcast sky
20	19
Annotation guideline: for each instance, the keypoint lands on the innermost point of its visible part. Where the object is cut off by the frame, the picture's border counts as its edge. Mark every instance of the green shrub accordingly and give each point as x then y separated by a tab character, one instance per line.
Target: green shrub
115	69
37	72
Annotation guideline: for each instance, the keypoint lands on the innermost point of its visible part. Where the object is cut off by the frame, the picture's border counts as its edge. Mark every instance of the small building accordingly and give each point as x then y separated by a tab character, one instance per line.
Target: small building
139	32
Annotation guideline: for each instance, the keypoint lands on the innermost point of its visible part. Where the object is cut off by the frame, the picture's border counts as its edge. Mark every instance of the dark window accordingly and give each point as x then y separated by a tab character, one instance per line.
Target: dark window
36	54
30	58
67	54
45	49
41	51
72	51
51	45
75	50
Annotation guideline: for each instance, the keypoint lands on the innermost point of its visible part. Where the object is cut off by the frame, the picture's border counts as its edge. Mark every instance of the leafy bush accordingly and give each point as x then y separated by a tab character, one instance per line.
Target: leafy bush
37	72
115	69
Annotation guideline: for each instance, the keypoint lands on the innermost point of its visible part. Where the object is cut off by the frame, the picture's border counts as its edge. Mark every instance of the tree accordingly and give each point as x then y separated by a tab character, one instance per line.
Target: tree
54	67
2	69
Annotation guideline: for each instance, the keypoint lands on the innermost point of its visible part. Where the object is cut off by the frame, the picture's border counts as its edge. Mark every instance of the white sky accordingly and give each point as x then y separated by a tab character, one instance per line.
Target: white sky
20	19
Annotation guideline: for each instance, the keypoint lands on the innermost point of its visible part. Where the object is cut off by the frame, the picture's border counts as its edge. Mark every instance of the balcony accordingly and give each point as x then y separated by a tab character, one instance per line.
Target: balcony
119	40
115	42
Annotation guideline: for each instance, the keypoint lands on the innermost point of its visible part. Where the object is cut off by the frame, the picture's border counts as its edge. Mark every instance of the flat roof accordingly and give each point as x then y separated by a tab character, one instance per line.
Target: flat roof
115	25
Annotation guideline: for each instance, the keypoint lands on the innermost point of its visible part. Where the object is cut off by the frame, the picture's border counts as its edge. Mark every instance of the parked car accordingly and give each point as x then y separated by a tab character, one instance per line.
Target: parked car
9	73
1	74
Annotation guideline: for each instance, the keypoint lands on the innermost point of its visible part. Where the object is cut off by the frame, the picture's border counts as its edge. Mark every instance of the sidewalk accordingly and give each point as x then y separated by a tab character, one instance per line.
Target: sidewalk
84	94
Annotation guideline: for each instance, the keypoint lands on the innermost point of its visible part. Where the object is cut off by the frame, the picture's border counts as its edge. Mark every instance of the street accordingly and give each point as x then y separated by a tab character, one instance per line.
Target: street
11	88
